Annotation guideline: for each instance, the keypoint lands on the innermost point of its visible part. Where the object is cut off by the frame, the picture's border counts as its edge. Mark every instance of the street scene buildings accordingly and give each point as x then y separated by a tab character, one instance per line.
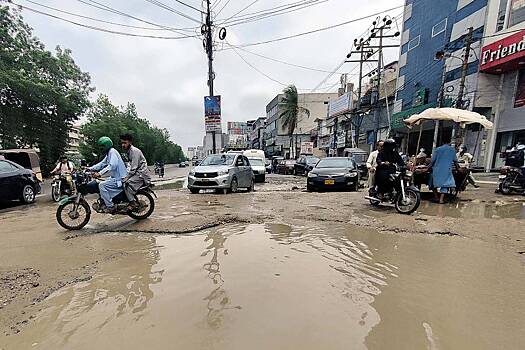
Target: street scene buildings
215	174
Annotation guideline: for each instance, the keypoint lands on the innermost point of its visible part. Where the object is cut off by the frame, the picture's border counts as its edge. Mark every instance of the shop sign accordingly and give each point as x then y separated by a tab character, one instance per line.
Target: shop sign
503	55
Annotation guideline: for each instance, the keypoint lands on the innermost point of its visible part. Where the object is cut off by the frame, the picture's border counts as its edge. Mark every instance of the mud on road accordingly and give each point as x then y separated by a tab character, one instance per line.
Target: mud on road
277	268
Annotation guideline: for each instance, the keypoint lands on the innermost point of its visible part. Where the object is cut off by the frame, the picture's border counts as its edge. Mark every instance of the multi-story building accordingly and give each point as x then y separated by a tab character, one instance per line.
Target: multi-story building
278	141
257	133
74	139
501	84
430	27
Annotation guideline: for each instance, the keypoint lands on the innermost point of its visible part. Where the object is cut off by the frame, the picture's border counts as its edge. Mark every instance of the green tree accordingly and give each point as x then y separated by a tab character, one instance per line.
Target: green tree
41	93
106	119
290	111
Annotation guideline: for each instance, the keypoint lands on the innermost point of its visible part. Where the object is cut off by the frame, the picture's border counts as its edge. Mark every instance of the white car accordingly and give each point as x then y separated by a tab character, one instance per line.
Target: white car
258	163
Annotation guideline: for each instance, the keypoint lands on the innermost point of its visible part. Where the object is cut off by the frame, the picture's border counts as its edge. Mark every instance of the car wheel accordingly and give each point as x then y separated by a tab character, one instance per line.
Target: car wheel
252	186
28	194
234	186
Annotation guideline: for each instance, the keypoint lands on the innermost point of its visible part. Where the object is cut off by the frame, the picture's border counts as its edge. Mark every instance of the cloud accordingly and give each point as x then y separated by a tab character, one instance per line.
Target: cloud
166	79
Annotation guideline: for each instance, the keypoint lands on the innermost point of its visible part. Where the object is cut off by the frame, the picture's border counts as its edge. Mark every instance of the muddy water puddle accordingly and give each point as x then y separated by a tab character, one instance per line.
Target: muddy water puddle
280	287
473	210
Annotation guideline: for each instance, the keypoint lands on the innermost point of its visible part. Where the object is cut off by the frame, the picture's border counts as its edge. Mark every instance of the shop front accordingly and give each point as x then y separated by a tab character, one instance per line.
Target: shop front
505	59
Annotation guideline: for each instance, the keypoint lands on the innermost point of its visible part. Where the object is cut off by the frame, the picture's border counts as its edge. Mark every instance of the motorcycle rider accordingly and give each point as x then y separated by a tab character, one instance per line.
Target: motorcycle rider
371	164
66	167
464	160
138	174
114	165
387	159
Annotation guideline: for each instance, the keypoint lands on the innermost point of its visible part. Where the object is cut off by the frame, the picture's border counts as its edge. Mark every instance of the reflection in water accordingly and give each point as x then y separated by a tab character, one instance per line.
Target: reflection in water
218	300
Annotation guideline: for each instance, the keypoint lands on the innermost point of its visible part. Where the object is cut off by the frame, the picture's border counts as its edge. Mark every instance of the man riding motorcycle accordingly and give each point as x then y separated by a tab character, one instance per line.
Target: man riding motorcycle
138	175
66	168
387	159
114	165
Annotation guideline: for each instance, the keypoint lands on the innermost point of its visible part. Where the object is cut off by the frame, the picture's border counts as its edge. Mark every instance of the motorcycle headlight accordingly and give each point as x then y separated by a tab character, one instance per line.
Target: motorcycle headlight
310	174
352	174
223	172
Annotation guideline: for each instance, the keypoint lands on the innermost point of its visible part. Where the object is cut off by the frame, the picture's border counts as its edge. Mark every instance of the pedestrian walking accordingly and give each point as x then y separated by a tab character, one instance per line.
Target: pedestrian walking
442	179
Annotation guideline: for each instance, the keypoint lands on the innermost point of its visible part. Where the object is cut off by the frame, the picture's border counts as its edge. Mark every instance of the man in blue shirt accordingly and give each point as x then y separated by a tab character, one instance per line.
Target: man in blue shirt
443	159
114	165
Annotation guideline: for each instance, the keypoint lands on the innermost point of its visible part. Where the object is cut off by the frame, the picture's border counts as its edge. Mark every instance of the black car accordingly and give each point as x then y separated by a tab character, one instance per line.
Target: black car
337	173
305	164
16	182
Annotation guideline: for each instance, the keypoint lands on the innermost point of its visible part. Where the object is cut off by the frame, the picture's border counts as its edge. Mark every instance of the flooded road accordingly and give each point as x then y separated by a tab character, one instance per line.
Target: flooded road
275	286
475	210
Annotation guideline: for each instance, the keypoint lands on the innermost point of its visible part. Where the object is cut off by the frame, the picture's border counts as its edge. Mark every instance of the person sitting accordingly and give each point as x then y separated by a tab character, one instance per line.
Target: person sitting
442	178
113	165
65	167
387	159
464	160
371	164
138	174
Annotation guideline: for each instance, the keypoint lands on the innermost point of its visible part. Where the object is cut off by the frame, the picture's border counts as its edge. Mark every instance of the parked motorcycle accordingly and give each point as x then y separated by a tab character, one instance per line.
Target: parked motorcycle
61	186
405	197
74	212
511	180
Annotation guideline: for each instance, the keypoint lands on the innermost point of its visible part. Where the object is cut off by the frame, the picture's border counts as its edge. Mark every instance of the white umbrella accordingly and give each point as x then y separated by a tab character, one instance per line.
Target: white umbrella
453	114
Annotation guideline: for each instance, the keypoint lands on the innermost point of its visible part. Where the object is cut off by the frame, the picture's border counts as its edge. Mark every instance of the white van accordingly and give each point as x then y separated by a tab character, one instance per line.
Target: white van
258	163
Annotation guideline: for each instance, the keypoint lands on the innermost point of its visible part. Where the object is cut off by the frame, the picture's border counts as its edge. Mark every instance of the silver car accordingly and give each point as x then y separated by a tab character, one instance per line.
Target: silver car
222	172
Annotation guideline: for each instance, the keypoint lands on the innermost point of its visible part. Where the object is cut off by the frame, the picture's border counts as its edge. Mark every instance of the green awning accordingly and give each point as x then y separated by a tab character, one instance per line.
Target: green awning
397	118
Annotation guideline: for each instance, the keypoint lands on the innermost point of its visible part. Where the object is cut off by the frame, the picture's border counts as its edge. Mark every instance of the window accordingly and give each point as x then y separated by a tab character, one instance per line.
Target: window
519	98
517	12
502	14
412	44
5	167
439	28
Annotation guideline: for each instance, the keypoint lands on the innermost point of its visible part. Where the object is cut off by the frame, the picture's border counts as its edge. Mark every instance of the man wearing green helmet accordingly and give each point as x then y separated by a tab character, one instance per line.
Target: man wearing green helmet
114	165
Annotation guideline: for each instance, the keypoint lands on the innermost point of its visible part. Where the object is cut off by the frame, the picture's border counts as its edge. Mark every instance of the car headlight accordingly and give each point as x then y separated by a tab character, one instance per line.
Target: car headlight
310	174
223	172
352	174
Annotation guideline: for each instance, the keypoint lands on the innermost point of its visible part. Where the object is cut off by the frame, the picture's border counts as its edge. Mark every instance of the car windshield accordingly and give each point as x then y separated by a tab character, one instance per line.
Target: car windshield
335	163
256	161
312	160
219	159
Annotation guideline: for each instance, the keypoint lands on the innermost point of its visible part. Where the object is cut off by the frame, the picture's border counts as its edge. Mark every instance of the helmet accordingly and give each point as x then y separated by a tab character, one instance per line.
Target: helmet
105	142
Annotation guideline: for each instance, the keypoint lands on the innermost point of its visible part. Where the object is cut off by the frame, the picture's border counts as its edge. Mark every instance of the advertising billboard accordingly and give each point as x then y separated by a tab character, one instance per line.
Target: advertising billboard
307	148
341	105
212	113
237	128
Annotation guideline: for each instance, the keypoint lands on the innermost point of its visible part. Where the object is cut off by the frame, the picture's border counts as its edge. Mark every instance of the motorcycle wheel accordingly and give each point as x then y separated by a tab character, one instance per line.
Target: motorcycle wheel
413	199
146	208
505	186
55	193
71	220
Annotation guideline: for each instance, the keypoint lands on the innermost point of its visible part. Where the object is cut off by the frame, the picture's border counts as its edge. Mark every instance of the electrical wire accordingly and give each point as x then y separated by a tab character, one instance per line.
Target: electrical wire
222	8
188	5
106	8
101	29
242	10
92	18
171	9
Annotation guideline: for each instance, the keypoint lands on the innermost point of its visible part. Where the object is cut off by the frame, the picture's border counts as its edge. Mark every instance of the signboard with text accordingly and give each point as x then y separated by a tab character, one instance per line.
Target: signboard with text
212	113
307	148
503	55
340	105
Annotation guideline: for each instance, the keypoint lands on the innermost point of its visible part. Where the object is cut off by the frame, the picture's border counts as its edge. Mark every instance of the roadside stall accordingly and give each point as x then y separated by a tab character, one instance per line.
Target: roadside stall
421	167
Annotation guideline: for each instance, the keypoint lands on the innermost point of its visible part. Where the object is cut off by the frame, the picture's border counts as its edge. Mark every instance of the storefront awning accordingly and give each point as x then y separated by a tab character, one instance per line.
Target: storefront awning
398	118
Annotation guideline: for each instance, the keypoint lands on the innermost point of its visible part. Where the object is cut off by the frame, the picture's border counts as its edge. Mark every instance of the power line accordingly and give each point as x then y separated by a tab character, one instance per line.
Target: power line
171	9
317	30
91	18
188	5
242	10
101	29
106	8
222	8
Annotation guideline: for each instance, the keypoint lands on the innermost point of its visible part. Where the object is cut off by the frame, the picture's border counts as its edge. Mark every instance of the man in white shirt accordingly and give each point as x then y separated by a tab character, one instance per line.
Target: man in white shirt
371	164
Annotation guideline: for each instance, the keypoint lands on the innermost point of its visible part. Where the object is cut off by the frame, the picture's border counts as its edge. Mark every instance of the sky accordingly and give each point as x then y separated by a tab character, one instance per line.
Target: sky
167	78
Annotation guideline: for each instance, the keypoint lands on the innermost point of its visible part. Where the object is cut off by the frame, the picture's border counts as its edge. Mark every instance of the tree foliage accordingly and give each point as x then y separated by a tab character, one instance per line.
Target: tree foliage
106	119
290	111
41	93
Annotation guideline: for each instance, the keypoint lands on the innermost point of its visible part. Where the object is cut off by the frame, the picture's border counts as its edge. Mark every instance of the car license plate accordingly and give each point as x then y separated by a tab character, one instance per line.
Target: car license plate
205	180
329	182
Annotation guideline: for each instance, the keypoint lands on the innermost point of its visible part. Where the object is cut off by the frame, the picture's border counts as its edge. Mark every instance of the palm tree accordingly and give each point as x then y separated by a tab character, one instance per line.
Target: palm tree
290	113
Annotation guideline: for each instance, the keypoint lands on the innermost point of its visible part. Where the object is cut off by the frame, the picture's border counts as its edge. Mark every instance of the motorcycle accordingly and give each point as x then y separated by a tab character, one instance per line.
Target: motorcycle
511	180
405	197
60	186
159	170
74	212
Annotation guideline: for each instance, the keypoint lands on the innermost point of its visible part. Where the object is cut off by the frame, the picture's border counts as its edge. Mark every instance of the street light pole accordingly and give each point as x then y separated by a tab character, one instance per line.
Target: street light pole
209	52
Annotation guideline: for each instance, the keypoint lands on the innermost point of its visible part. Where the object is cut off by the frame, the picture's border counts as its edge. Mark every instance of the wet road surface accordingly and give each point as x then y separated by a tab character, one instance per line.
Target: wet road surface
305	271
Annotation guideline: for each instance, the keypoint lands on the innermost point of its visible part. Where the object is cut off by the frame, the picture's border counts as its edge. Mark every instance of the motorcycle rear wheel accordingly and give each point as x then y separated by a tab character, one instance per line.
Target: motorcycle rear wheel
413	199
505	186
147	206
73	220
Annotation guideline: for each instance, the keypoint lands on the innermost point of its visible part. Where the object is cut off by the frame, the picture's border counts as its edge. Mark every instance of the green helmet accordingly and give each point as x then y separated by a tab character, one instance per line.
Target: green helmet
105	142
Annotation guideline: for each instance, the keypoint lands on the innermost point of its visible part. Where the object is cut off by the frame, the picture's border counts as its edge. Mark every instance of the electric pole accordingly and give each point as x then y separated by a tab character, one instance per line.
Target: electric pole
464	67
209	51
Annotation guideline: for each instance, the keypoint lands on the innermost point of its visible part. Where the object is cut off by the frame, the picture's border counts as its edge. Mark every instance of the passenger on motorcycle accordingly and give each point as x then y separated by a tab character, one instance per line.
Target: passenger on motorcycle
114	165
138	175
65	167
387	159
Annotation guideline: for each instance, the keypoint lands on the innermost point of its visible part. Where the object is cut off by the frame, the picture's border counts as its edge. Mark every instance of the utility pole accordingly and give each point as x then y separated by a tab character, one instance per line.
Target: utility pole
459	102
209	52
